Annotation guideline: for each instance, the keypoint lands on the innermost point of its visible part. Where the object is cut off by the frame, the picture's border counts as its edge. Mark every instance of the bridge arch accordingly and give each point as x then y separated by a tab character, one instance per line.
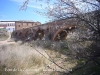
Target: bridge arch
15	33
39	34
62	33
20	34
26	33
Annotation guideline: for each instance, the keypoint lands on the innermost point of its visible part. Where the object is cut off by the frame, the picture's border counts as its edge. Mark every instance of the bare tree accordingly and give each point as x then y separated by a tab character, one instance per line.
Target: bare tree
87	14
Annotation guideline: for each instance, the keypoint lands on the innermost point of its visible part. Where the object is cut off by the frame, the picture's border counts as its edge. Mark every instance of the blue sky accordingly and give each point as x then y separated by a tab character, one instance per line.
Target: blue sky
9	10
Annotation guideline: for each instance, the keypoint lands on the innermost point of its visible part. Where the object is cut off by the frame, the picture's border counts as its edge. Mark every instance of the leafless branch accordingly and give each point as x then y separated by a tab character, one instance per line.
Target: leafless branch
24	6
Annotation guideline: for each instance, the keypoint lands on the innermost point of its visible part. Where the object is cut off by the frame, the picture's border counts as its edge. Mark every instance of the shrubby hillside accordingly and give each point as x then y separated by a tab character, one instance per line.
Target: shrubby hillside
3	34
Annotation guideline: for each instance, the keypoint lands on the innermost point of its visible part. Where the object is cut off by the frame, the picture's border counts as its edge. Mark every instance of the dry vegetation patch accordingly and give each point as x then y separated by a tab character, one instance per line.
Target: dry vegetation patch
3	35
16	59
24	59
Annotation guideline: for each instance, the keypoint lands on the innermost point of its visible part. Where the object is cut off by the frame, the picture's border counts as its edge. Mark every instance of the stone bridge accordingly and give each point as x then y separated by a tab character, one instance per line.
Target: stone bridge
56	30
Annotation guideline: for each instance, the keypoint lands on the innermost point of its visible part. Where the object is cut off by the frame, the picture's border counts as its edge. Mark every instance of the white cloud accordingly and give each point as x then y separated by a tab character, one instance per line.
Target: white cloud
33	6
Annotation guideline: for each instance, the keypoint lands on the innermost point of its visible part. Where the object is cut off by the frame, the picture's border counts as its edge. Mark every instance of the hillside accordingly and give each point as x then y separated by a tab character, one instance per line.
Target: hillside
3	34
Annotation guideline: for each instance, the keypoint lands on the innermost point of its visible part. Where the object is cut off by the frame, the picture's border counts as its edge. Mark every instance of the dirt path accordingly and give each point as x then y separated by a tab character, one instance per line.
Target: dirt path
7	41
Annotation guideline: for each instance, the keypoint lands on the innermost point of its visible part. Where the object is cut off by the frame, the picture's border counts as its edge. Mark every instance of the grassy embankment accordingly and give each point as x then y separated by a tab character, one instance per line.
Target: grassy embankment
3	35
22	59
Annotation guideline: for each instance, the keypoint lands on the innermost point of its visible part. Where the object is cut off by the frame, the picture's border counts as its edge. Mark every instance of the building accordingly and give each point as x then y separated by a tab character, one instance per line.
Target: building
8	25
19	25
2	26
11	26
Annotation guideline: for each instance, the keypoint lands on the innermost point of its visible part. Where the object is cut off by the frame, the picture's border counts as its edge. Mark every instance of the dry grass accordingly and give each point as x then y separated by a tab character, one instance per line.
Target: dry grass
25	60
3	37
20	57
